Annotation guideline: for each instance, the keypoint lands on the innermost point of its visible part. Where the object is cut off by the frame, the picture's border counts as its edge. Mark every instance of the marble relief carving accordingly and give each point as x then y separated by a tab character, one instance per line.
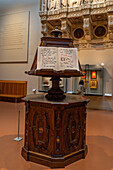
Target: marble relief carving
94	14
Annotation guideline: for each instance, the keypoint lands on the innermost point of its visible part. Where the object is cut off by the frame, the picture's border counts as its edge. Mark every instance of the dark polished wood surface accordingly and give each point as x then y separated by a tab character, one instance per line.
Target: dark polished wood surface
11	90
53	42
55	123
56	42
55	132
70	99
54	73
55	93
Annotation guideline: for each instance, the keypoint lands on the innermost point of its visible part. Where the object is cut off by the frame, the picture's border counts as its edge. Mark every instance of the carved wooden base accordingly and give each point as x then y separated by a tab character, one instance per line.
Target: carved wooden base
55	132
55	93
54	162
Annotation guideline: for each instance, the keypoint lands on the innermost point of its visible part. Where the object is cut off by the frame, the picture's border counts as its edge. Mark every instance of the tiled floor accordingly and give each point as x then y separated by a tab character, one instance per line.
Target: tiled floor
99	141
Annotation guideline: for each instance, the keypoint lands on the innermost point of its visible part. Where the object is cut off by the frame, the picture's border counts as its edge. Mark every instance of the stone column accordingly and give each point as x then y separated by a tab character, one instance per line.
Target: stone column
110	26
86	26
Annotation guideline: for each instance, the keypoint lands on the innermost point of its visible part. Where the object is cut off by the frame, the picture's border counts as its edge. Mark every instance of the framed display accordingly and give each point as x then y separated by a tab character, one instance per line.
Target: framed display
84	76
93	84
93	75
85	83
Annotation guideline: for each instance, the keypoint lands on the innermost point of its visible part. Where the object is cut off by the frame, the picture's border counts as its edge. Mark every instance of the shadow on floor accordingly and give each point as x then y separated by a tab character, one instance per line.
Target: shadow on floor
99	157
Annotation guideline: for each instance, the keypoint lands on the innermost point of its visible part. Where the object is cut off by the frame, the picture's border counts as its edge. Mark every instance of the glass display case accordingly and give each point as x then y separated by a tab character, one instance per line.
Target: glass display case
93	79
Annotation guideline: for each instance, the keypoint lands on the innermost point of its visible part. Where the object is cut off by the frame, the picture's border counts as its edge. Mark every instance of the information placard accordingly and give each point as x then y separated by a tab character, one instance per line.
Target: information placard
14	29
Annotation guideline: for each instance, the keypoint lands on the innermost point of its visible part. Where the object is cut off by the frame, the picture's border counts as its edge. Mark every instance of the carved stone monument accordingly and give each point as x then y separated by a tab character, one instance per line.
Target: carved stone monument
81	20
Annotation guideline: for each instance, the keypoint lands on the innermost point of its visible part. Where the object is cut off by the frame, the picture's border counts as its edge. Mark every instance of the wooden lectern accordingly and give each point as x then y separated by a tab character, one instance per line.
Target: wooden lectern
55	123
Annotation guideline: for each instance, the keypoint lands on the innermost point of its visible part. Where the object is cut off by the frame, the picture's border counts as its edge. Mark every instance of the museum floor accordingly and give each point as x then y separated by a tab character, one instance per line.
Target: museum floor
99	141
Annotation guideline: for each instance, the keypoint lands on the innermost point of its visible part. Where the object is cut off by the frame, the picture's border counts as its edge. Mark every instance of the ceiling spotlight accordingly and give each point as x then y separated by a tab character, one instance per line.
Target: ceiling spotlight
102	64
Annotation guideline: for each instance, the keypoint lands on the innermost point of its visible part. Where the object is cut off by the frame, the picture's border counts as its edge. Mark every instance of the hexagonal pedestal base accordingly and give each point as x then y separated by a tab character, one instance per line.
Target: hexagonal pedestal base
55	132
54	162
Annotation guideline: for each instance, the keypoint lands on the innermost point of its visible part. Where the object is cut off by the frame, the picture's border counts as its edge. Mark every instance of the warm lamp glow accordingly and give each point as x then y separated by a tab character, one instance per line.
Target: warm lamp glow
102	64
93	75
83	77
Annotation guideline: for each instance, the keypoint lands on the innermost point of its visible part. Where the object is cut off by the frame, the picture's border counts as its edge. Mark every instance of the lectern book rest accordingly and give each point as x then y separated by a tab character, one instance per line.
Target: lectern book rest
55	123
57	58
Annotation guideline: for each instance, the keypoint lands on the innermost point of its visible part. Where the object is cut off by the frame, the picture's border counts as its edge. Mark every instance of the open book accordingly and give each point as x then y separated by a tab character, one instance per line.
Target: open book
57	58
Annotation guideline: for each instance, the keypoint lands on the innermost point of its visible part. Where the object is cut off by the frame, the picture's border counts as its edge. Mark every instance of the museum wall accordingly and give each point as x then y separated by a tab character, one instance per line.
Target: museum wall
15	71
96	57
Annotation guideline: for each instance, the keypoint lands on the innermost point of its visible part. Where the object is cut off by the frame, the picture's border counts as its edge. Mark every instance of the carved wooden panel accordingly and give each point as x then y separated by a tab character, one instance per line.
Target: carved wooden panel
27	125
40	129
73	129
58	132
55	133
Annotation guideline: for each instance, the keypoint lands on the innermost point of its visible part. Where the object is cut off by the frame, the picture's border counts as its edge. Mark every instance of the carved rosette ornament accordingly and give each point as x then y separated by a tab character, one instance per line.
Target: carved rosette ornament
100	31
78	33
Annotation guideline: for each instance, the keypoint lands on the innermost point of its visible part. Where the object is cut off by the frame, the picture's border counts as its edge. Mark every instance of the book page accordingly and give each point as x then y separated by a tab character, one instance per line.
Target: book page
68	58
47	58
